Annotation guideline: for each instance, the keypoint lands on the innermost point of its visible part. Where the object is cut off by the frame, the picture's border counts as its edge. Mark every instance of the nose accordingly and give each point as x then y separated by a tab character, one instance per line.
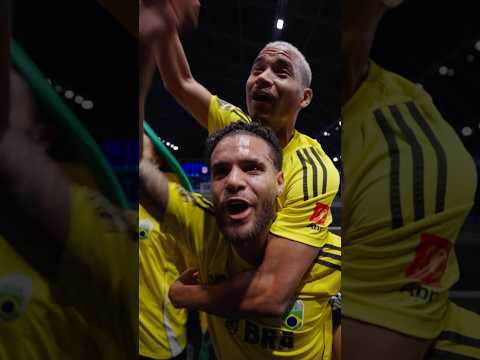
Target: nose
235	181
264	79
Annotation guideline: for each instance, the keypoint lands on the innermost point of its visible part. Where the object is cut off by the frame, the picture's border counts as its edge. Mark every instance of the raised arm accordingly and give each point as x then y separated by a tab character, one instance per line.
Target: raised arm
159	23
31	204
153	189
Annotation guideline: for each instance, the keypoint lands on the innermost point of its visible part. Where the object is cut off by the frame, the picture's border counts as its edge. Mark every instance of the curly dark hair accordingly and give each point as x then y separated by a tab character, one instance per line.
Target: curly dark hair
255	129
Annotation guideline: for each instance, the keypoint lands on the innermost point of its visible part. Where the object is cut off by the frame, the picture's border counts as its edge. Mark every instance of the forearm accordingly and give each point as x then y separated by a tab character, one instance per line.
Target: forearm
147	68
177	77
33	204
172	63
266	291
153	189
244	295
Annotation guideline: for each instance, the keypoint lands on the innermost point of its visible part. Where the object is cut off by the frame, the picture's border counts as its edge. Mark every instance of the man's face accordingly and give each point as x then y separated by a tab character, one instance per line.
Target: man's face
245	185
274	89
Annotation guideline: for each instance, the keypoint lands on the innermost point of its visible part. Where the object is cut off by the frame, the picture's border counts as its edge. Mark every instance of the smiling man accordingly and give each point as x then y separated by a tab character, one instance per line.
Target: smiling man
276	91
229	237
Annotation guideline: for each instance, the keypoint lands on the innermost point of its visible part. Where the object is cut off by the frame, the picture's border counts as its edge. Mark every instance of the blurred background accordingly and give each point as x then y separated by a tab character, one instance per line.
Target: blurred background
437	45
92	63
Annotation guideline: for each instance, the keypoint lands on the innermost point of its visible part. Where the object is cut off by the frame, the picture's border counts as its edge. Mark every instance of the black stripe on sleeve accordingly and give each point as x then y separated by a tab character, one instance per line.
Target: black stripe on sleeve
439	152
203	206
328	264
459	339
326	254
204	201
446	355
314	170
395	204
324	169
241	114
418	165
329	246
305	175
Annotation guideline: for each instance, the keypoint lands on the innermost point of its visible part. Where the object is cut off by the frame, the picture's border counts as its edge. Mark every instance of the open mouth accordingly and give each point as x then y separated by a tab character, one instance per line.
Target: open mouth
262	96
237	209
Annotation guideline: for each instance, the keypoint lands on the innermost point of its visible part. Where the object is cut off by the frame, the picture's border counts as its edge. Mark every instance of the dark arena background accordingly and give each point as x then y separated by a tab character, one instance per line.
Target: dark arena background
92	62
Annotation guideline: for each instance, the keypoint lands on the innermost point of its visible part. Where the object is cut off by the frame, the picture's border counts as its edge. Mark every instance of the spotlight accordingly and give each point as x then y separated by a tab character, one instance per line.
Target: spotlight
467	131
280	24
69	94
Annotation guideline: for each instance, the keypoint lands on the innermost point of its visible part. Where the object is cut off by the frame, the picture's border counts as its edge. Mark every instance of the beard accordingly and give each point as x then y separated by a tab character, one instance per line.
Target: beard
251	231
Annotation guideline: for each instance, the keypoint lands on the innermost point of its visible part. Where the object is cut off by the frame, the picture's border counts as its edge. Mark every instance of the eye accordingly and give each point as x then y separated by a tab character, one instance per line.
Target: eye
219	172
252	168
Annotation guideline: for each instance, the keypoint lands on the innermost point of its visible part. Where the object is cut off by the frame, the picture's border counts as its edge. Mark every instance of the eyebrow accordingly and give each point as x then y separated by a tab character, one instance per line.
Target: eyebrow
284	63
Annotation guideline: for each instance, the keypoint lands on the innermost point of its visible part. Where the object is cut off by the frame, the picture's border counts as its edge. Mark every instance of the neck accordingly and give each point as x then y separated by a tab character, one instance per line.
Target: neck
252	251
357	38
284	133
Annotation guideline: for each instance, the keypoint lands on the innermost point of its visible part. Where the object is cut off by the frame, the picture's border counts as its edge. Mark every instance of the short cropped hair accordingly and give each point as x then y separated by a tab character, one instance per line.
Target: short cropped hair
255	129
300	61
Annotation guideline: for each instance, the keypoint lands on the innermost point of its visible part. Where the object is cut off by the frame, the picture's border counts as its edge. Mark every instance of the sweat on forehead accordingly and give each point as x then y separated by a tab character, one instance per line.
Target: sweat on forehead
297	57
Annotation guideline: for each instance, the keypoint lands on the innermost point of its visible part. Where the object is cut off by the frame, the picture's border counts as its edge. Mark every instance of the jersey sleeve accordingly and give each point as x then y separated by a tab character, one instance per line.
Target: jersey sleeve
184	218
99	268
310	190
222	113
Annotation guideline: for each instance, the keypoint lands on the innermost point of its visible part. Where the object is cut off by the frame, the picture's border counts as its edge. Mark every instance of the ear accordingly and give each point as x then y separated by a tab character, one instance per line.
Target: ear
280	183
307	98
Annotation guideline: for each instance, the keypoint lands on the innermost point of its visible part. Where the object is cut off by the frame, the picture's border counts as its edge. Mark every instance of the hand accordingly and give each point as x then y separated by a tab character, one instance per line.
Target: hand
179	289
156	17
188	277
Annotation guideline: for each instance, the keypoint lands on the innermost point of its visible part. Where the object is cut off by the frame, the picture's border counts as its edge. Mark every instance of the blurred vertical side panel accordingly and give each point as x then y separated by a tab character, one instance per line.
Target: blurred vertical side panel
411	159
68	183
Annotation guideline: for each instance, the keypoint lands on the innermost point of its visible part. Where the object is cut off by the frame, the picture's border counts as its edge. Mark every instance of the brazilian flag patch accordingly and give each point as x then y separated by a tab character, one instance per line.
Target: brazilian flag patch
293	317
144	229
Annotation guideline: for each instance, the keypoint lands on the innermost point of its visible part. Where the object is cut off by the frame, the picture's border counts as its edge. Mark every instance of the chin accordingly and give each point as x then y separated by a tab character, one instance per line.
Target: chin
239	235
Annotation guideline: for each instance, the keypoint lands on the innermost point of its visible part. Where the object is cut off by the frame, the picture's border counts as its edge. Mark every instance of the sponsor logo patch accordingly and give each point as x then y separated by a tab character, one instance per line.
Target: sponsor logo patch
320	213
430	261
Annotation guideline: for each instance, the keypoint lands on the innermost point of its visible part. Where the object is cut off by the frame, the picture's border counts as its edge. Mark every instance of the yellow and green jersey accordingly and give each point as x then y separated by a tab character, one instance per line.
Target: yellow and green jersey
311	182
99	272
162	332
409	184
33	323
303	332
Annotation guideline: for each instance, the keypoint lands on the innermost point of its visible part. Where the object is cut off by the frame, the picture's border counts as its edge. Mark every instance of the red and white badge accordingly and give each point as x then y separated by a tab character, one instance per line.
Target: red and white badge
320	213
430	262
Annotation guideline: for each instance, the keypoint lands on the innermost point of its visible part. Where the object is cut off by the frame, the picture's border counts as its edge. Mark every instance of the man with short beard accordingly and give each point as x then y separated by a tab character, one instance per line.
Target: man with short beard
277	89
230	236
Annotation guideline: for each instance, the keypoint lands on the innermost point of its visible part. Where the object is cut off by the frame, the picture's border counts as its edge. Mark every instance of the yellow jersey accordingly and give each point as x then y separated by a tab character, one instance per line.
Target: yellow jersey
409	184
303	332
162	332
99	272
33	324
460	336
311	182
